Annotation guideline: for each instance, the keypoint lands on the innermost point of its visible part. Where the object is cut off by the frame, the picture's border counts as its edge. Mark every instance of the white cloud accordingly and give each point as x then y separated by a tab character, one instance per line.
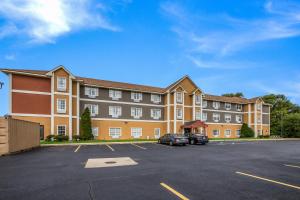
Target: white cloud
44	21
10	57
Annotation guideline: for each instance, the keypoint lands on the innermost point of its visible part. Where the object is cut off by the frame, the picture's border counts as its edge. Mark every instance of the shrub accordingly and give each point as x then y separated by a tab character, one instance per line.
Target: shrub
246	131
50	138
76	137
291	125
86	125
61	138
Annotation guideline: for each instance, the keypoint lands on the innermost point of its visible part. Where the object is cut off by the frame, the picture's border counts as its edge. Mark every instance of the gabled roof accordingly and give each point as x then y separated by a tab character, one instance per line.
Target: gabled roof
239	100
179	81
60	67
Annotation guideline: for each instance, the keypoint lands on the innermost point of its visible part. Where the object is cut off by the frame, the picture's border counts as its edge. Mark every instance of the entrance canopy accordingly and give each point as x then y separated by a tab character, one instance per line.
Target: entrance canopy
194	124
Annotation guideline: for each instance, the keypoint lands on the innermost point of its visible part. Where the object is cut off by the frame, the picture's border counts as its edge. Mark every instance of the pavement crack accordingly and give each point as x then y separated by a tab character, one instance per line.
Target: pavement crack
91	192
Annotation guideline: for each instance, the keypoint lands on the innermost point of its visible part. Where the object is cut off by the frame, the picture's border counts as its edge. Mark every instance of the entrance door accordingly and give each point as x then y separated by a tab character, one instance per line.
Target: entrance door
187	131
41	132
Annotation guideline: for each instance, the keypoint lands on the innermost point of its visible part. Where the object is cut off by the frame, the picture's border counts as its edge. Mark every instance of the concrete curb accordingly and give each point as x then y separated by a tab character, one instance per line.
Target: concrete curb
141	142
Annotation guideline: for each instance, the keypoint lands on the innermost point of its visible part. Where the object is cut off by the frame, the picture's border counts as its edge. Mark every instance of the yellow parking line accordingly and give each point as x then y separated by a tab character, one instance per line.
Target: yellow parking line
77	148
174	191
292	166
112	149
138	146
269	180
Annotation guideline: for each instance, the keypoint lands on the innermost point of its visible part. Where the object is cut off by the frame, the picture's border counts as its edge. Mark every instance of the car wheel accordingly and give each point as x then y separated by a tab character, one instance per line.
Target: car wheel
192	142
171	143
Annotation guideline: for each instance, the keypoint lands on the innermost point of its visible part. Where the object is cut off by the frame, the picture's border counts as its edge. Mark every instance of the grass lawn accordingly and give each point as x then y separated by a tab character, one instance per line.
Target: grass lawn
97	141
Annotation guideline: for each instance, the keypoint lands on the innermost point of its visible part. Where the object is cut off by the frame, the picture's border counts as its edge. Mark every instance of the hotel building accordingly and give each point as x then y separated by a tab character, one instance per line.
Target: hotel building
57	98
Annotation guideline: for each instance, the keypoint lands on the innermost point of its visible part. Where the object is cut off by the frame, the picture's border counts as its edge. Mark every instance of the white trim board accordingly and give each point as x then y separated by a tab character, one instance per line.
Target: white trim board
29	115
128	120
121	102
31	92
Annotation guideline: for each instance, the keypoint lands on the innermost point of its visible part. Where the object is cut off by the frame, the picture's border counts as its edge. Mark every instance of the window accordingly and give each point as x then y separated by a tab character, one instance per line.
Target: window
61	84
115	94
259	132
216	105
155	113
115	111
61	105
216	133
258	119
238	118
204	104
156	133
95	131
61	130
204	116
198	115
227	106
179	113
227	133
136	112
115	132
155	98
179	97
239	107
258	106
136	96
238	133
216	117
93	109
227	118
136	132
198	99
91	92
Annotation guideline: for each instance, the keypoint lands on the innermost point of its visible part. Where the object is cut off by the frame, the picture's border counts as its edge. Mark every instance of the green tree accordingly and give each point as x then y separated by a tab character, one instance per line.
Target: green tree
246	131
237	94
86	125
291	125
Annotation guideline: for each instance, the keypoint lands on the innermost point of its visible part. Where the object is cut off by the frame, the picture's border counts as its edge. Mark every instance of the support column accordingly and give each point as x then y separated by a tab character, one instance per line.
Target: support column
10	94
249	115
168	112
182	110
78	109
201	107
261	119
70	109
255	119
175	113
194	109
52	104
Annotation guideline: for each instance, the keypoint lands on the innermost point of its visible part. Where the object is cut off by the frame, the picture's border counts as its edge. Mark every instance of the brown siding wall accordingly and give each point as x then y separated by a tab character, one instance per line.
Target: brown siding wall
31	83
31	103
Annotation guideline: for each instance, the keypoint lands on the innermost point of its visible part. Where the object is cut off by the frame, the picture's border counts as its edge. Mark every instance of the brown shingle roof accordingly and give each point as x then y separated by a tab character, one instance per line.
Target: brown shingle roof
226	99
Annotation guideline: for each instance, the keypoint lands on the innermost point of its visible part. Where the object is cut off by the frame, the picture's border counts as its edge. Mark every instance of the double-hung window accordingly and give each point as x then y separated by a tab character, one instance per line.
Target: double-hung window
179	113
179	97
156	133
258	119
204	104
136	113
239	107
198	99
115	111
93	109
136	96
238	118
227	106
95	131
61	130
91	92
227	118
216	117
115	132
156	113
198	115
216	105
204	116
61	84
227	133
115	94
155	98
258	106
216	133
238	133
136	132
61	106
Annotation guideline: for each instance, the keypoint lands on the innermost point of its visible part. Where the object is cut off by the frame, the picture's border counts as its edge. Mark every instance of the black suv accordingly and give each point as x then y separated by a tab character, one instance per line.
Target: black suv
196	138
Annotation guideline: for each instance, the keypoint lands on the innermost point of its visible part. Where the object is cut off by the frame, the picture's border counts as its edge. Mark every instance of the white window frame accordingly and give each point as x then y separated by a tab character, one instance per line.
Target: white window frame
216	104
63	87
156	98
136	112
115	94
113	135
91	92
259	106
179	113
58	104
225	133
239	107
156	113
258	119
197	114
179	97
216	115
227	118
155	133
94	109
95	131
115	111
228	106
136	96
136	132
238	133
204	104
198	99
218	131
204	116
57	129
237	117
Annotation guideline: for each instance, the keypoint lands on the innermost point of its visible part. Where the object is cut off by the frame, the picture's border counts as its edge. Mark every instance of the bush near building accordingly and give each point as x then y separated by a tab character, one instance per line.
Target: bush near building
246	131
86	125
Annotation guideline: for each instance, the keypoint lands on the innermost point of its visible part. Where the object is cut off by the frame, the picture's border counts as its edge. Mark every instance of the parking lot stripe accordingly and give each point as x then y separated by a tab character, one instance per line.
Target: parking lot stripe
292	166
138	146
269	180
112	149
77	148
174	191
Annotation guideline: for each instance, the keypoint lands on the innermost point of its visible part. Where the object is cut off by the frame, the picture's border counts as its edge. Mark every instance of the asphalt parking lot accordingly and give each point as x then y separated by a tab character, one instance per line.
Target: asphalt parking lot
219	170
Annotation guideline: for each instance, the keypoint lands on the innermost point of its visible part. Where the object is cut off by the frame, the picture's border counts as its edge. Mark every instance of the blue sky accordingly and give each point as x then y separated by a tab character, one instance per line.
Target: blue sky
224	46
